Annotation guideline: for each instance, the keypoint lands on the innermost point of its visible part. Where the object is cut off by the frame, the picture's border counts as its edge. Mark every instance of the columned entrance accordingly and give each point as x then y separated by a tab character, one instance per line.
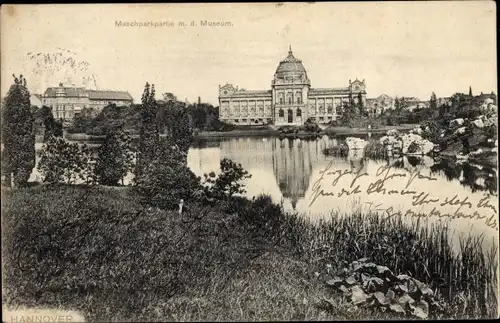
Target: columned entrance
290	116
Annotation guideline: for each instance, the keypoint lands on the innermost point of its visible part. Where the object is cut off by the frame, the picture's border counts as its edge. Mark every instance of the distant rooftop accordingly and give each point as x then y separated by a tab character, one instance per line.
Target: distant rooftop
78	92
109	95
318	91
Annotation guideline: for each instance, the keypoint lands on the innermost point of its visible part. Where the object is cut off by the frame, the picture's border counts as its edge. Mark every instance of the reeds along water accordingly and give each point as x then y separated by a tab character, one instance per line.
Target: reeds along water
466	279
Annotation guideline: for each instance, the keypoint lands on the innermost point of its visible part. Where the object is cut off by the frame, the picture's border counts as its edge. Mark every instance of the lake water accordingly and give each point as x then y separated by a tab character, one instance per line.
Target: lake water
294	172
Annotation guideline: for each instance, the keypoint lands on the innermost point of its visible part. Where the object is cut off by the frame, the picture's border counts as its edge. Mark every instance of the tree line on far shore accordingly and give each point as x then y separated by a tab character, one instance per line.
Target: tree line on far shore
201	117
159	165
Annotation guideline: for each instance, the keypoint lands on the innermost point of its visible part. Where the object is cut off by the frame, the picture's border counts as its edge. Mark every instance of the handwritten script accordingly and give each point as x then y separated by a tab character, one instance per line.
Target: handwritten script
328	185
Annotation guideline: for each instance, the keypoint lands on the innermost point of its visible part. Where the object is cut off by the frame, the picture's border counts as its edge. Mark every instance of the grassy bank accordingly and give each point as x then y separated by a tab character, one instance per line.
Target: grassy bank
96	250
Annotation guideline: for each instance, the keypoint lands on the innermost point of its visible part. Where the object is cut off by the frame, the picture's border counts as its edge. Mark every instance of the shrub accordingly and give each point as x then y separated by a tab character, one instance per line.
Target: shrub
228	182
340	150
84	122
375	150
261	215
167	179
64	162
311	127
369	284
264	214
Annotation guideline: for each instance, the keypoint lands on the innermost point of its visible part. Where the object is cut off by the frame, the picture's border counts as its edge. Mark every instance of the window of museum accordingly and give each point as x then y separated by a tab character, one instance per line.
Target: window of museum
299	98
330	109
299	113
281	113
282	99
321	119
235	120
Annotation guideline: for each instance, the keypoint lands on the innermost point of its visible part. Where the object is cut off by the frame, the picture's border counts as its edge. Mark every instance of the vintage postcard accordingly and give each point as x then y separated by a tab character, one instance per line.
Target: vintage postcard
249	162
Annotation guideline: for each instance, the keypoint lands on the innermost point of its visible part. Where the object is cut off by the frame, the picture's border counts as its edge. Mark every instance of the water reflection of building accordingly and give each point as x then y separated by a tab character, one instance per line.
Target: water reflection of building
292	160
204	161
250	152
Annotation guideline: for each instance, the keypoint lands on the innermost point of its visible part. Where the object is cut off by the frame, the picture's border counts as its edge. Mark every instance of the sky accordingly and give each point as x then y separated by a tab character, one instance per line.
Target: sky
403	49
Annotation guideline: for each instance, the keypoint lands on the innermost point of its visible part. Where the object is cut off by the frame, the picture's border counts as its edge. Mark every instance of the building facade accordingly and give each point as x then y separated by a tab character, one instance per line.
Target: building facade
66	102
380	104
290	101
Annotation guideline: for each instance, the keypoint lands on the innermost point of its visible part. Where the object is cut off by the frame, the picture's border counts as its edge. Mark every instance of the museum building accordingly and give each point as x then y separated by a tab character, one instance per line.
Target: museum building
290	101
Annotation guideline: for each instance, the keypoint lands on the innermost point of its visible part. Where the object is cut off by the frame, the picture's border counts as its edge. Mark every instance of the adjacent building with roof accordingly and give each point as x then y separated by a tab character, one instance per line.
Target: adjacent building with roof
380	104
66	102
290	101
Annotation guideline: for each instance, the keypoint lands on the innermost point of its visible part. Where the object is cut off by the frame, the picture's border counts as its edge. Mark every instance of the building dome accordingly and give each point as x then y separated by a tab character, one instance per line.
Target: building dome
290	67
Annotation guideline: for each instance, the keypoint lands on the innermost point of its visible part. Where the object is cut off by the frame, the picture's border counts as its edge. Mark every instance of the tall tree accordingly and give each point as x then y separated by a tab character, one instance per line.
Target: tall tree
400	104
149	135
114	158
348	114
18	136
360	104
470	91
51	125
433	101
397	104
82	122
181	130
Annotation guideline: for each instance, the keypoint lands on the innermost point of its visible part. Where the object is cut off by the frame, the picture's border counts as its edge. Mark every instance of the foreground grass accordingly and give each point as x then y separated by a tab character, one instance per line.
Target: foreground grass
96	250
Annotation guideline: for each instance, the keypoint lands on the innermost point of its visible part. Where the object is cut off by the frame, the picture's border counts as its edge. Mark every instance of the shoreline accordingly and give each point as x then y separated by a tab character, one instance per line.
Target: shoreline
332	131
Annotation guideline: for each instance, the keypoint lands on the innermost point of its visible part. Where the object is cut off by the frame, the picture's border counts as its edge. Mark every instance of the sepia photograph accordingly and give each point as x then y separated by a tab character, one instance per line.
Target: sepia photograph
314	161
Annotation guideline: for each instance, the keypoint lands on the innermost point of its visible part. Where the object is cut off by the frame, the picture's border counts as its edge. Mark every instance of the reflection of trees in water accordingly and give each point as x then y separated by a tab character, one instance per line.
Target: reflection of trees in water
293	160
478	178
445	167
414	160
398	163
206	143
